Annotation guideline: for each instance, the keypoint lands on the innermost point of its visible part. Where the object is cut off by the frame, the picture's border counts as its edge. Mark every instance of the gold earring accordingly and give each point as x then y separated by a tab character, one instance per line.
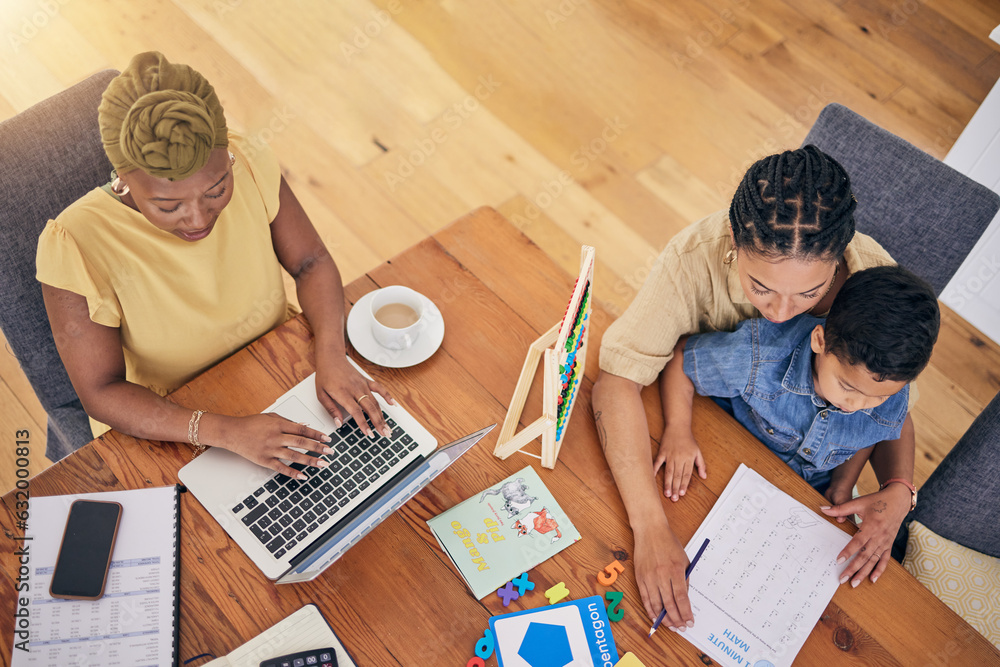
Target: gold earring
232	159
118	186
730	257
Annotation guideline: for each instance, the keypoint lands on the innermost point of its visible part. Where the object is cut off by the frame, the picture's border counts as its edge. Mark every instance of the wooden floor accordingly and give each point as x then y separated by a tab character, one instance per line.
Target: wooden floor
608	122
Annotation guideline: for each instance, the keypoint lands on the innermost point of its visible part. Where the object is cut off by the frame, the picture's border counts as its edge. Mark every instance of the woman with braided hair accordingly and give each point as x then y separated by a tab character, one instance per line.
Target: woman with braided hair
176	264
784	248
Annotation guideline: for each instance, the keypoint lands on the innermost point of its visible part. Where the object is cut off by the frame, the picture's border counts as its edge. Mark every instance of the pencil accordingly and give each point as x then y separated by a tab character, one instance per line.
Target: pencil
687	573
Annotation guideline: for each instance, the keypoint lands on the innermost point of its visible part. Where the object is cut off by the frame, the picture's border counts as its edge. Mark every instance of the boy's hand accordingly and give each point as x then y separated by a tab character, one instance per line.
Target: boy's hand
679	455
881	514
837	495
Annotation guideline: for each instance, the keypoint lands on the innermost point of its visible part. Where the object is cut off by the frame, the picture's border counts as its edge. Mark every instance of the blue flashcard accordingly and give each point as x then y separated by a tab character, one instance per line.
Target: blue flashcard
571	634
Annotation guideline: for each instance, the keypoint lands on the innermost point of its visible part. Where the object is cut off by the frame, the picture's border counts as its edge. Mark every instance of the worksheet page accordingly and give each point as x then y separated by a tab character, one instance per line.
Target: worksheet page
766	576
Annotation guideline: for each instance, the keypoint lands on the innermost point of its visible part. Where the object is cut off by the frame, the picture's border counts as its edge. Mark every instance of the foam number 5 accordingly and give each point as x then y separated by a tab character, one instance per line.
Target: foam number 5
484	647
610	574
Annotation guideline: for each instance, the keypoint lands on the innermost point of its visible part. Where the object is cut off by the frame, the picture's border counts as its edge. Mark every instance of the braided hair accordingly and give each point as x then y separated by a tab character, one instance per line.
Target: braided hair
796	204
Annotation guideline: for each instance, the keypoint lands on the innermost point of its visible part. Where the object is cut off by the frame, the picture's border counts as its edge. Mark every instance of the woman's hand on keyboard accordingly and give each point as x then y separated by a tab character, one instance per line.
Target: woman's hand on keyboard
266	439
345	393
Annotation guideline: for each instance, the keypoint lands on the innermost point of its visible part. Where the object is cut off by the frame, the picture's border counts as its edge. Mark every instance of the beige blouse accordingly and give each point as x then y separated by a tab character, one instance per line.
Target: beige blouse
691	290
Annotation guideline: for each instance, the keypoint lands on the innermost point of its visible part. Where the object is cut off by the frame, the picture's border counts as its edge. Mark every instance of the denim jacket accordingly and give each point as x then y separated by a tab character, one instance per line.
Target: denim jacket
766	369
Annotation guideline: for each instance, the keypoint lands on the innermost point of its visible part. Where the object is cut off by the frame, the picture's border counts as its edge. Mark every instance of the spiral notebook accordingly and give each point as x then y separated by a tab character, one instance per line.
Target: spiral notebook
136	622
304	630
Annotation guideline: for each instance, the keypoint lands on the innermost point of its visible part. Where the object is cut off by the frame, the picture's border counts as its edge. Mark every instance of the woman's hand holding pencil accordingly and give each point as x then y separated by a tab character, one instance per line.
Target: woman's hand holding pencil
687	573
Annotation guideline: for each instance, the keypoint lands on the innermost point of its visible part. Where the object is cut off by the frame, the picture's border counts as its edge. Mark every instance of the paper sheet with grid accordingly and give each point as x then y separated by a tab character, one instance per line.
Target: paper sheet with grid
767	575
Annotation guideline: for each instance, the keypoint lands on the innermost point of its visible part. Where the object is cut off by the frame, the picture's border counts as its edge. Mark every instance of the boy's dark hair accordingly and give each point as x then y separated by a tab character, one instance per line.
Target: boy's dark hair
797	204
886	318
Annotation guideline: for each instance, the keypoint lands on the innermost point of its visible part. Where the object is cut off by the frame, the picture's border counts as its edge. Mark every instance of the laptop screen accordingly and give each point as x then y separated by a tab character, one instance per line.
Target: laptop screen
327	551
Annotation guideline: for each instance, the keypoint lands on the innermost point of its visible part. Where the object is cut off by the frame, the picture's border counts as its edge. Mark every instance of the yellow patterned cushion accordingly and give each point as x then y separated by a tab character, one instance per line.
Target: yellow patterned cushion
965	580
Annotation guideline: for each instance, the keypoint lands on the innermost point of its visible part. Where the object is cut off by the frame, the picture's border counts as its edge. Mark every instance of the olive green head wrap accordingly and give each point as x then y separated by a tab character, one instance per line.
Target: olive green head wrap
162	118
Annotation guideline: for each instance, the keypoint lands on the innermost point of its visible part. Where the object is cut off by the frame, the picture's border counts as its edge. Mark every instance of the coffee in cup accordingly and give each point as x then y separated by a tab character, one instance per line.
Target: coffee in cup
397	314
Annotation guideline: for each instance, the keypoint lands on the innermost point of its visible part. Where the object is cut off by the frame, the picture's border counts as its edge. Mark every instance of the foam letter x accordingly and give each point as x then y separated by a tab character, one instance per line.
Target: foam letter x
508	593
523	584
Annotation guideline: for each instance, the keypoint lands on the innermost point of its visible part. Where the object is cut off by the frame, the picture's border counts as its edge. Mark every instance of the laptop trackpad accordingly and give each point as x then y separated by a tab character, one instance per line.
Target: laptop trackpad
295	410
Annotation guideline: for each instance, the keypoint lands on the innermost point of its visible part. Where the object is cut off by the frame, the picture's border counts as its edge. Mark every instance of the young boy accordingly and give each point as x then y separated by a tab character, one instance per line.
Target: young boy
815	393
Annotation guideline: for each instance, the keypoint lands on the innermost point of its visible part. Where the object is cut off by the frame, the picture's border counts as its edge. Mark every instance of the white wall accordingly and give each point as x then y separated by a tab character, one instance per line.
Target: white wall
974	292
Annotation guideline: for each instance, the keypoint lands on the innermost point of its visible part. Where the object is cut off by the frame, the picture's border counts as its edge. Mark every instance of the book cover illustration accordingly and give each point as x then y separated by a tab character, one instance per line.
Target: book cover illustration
571	634
507	529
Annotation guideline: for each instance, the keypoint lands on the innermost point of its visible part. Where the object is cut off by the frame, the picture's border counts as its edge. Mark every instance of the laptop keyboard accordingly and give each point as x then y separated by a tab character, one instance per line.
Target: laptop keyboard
283	512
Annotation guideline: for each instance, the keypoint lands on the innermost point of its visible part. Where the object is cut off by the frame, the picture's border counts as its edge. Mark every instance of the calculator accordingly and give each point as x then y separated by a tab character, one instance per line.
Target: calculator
321	657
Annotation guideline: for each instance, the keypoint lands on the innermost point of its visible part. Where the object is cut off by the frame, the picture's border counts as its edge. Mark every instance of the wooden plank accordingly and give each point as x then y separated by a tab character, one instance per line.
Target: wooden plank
756	38
24	78
18	385
967	358
418	191
610	289
930	35
937	128
933	444
684	192
349	110
6	110
80	472
19	424
973	17
352	253
944	402
936	84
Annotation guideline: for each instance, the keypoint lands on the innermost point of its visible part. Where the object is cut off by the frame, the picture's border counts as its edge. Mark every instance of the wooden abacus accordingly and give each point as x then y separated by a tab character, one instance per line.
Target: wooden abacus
563	366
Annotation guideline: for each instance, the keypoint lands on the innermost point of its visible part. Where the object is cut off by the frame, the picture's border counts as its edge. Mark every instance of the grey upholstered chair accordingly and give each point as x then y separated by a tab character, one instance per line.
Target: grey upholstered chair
50	155
927	215
961	499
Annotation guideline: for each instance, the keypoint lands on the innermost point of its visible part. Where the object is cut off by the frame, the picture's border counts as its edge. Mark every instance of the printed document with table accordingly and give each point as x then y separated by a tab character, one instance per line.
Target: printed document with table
135	622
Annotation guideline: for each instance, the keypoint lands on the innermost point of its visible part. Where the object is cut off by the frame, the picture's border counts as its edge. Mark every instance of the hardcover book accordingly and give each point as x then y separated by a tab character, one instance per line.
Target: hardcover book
507	529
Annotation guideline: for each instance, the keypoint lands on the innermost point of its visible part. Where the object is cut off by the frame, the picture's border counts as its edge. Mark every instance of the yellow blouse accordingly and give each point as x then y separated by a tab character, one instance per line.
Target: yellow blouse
691	290
180	306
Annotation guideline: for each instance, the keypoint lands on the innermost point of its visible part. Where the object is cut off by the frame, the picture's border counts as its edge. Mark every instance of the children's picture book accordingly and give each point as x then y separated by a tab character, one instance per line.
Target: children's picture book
507	529
571	634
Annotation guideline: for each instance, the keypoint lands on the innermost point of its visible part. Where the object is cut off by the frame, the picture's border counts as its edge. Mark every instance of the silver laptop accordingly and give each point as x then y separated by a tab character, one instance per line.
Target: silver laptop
293	530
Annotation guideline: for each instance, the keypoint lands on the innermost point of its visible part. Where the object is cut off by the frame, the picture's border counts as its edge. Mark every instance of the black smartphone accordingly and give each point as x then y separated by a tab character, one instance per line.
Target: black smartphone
85	553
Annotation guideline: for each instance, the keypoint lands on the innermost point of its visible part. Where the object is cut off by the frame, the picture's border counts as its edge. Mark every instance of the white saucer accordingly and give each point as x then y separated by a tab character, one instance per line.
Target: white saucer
359	332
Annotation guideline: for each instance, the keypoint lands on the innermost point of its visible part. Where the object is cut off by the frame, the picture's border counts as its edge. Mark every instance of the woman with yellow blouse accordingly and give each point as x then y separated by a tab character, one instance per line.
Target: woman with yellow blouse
784	248
176	264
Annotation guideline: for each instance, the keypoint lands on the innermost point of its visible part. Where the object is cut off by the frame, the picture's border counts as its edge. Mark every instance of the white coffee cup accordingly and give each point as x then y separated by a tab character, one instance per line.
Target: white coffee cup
397	317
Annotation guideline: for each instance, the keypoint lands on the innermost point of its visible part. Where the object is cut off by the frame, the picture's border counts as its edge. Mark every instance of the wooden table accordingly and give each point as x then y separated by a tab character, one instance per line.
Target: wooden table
395	599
